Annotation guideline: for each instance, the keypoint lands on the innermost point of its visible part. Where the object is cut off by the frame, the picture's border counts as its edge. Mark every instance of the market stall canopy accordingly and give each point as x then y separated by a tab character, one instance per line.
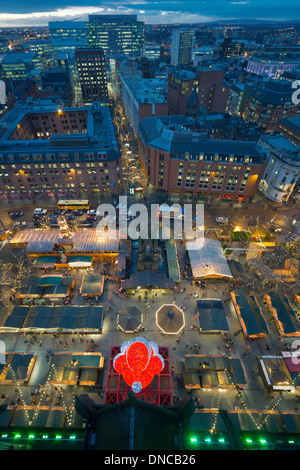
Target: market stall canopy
208	259
147	279
46	281
211	316
92	285
85	241
249	313
170	319
275	373
284	315
80	261
67	317
130	319
173	266
45	261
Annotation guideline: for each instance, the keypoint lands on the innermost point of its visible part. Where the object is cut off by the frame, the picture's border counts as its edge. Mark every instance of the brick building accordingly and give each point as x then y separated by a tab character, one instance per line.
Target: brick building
177	159
211	90
69	150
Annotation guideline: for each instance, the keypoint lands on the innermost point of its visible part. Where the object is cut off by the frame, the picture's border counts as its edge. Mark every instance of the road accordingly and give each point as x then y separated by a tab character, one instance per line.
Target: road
238	215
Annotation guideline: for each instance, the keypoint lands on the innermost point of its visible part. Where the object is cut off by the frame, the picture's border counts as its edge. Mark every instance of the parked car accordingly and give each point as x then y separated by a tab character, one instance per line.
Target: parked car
16	214
221	220
78	213
275	229
19	224
92	212
39	211
85	224
91	217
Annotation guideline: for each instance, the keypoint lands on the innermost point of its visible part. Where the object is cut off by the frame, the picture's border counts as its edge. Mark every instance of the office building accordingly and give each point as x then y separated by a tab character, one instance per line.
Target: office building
208	83
178	159
282	171
182	46
229	48
290	128
116	34
66	36
92	74
67	151
271	66
142	97
19	64
269	101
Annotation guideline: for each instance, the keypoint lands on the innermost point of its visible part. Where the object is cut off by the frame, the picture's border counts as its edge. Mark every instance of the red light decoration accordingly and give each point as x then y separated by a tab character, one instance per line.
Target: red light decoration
138	362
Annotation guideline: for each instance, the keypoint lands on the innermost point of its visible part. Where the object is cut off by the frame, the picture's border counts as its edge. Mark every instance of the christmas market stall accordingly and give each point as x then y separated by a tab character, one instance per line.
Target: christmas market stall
249	314
283	314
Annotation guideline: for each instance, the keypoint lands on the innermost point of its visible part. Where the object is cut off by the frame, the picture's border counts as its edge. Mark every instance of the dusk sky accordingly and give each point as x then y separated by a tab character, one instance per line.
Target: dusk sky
35	12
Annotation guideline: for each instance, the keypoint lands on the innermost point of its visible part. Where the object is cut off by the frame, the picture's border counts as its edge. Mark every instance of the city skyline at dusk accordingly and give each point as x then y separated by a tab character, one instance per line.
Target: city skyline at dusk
156	12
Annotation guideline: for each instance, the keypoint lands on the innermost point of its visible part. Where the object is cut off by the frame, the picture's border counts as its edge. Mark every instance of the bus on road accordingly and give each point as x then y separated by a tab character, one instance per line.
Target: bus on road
73	204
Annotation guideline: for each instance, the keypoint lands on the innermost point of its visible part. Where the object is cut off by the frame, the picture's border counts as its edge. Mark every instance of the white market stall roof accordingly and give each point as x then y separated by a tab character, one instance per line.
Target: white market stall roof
84	241
207	258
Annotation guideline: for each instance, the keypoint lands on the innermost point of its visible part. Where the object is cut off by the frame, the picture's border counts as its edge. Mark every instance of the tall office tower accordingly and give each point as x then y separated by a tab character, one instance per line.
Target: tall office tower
116	34
66	36
231	48
182	46
92	74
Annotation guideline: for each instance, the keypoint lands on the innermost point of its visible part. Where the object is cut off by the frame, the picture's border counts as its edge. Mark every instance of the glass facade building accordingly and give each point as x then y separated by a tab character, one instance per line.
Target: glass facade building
116	34
67	35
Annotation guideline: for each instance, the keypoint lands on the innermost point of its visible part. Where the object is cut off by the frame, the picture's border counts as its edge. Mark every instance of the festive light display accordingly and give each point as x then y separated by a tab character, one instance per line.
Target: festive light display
138	362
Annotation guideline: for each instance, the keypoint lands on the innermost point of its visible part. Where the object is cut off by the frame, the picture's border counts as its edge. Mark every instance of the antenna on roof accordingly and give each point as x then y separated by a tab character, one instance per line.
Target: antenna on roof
73	19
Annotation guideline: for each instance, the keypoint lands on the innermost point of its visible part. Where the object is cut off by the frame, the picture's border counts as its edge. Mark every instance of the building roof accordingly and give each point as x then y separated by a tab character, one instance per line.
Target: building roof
175	134
207	259
100	135
134	419
84	241
252	319
66	317
147	279
172	260
211	316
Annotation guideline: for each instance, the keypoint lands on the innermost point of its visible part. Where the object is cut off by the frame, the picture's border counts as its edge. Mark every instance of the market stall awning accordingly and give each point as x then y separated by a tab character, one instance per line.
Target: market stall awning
211	316
207	259
170	319
249	313
146	279
92	285
80	261
130	319
45	261
173	266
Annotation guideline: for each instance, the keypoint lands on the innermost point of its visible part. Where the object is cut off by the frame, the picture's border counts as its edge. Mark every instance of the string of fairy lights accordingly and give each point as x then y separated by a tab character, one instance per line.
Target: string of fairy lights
258	425
52	372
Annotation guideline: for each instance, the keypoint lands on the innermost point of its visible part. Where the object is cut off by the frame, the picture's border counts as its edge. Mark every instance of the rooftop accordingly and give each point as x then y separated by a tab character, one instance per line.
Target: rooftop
146	90
99	133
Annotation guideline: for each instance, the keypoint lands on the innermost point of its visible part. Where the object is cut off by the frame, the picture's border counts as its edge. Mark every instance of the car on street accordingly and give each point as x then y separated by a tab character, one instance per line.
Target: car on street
39	211
221	220
19	224
78	213
16	214
91	217
275	229
92	212
85	224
